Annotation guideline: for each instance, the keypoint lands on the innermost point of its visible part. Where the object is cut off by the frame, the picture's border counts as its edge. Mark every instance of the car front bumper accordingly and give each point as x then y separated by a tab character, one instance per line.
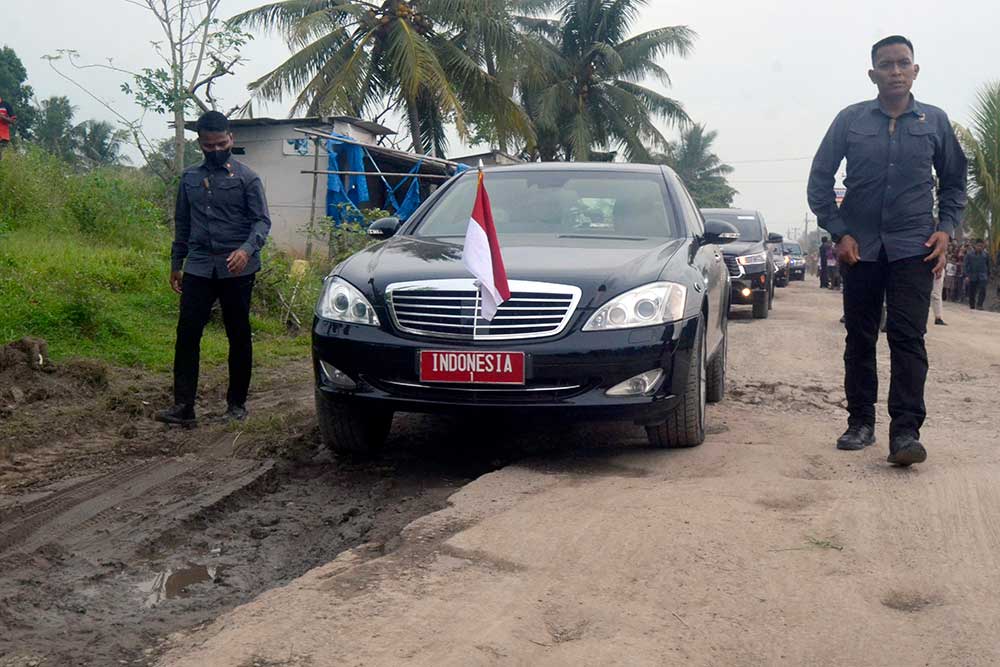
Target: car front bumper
754	279
566	377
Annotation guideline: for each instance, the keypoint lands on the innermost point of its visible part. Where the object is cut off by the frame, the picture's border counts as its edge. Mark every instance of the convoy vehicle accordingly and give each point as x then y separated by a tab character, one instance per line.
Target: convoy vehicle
749	260
796	260
618	309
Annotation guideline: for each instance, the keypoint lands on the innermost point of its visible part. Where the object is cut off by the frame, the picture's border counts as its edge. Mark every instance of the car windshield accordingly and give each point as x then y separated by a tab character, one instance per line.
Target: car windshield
793	248
747	224
610	204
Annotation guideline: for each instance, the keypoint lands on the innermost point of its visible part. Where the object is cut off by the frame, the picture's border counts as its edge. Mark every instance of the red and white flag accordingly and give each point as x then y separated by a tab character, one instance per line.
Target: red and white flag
481	255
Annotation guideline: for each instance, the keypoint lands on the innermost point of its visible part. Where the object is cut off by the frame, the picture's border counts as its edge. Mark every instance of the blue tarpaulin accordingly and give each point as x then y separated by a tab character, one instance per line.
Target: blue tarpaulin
342	204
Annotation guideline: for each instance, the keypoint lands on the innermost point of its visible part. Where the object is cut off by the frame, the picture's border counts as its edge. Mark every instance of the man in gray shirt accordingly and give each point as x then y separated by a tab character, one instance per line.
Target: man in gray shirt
221	224
886	237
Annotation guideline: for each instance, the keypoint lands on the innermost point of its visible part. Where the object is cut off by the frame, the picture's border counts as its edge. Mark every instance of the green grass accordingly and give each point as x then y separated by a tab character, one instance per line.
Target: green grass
84	263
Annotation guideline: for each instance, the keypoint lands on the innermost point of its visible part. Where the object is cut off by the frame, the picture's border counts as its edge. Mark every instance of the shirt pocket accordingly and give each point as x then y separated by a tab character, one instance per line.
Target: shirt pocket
920	139
864	146
228	194
194	190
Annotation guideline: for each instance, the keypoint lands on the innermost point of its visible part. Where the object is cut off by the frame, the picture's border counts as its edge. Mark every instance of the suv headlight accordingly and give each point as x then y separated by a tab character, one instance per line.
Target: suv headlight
754	258
343	302
655	303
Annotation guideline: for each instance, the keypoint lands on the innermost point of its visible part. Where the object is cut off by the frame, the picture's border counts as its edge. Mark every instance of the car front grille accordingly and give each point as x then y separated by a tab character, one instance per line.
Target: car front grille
734	267
452	309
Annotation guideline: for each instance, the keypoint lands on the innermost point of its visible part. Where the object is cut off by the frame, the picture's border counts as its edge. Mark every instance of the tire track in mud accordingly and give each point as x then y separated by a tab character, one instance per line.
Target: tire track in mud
92	513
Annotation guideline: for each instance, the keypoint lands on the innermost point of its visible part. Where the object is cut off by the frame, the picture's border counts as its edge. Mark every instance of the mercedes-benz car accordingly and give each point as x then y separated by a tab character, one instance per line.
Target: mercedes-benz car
749	260
618	309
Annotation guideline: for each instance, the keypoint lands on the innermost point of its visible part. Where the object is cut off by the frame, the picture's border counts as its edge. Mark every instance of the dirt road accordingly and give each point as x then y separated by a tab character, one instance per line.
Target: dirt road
573	544
763	546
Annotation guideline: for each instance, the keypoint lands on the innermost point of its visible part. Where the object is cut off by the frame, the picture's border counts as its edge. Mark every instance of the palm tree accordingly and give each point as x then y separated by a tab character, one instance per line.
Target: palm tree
352	55
99	144
982	142
699	167
582	87
495	33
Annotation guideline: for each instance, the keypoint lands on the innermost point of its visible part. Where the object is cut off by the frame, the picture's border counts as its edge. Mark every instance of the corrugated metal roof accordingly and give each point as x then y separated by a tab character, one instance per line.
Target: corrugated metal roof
367	125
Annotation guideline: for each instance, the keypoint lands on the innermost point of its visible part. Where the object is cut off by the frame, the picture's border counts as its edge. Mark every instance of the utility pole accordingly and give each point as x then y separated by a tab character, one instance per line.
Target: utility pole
807	230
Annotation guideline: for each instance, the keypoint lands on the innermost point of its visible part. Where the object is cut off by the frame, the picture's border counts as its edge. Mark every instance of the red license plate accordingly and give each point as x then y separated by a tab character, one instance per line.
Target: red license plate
473	367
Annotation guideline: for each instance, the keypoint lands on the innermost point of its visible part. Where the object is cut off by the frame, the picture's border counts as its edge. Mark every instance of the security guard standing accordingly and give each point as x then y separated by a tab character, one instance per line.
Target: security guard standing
886	236
221	224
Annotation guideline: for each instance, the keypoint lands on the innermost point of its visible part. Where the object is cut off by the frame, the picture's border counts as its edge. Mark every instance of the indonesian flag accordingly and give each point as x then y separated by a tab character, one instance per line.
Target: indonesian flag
481	255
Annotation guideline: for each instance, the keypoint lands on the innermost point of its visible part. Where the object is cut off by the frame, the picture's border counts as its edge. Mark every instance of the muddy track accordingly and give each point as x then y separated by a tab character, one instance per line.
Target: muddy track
98	568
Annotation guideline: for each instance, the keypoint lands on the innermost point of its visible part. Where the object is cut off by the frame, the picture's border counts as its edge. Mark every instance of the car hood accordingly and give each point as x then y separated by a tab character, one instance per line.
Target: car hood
589	263
742	247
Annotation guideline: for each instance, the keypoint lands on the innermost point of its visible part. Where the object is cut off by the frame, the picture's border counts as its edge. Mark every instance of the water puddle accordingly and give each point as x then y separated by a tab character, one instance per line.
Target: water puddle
174	583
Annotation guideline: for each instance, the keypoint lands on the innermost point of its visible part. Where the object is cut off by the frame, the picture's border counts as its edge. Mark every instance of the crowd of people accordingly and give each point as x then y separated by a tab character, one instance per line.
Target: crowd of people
965	278
967	273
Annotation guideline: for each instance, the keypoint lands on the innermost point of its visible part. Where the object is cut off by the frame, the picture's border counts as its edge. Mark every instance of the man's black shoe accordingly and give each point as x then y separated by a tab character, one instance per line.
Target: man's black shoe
856	437
905	450
940	321
180	414
236	413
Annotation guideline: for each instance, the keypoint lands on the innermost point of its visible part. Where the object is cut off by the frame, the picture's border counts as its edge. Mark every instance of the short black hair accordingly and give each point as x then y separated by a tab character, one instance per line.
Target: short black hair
888	41
213	121
825	239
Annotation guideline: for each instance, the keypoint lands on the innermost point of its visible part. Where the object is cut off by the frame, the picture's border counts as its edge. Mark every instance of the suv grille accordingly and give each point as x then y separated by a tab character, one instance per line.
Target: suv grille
451	309
733	265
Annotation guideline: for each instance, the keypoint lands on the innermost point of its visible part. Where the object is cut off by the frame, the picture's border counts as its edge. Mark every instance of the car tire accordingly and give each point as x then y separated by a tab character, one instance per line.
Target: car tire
685	425
344	429
716	387
760	305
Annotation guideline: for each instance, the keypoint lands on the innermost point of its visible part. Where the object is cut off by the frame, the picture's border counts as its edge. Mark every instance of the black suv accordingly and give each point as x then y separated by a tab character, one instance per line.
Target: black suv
749	260
795	261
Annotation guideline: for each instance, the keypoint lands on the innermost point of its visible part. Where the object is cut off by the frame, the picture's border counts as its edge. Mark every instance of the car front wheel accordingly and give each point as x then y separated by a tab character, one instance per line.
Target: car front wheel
346	429
716	389
685	426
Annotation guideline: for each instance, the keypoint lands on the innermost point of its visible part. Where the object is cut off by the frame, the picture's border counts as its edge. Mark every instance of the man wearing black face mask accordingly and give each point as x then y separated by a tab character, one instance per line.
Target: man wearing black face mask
221	224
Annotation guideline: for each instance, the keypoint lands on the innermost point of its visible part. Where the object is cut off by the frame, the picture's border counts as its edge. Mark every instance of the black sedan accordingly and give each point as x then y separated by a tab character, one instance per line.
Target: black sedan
618	309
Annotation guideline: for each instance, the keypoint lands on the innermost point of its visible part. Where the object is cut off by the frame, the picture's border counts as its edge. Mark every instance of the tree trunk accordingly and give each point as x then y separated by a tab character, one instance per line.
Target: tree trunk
414	118
179	144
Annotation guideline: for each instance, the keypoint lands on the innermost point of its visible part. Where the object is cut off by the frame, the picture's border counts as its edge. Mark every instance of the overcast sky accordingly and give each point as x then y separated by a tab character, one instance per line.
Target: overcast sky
769	76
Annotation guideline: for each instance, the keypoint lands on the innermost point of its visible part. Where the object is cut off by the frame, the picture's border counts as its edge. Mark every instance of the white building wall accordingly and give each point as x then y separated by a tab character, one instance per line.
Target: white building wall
289	192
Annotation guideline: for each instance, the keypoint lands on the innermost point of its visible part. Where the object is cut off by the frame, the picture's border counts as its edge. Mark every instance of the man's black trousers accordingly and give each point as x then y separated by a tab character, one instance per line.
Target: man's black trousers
905	287
977	293
197	297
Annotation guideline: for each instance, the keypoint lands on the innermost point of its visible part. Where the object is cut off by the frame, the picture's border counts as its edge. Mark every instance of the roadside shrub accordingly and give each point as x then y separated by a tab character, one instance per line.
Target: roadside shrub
111	203
281	290
31	187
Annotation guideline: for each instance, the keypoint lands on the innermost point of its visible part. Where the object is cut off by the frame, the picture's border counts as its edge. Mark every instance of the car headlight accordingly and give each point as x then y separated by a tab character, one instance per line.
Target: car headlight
343	302
754	258
655	303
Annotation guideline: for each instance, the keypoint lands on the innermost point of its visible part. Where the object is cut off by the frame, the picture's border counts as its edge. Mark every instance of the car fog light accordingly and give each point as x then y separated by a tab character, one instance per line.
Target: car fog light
644	384
746	291
336	377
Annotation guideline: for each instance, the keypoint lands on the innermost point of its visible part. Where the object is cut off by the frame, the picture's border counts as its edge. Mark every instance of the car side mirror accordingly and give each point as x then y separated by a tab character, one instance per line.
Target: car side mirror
383	228
774	237
718	232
